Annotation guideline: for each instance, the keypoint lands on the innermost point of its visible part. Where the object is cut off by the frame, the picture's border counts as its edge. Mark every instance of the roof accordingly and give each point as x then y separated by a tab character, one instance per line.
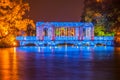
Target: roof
67	24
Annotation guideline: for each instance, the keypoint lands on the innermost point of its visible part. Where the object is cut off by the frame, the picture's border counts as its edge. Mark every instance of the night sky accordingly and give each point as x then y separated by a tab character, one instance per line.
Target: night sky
56	10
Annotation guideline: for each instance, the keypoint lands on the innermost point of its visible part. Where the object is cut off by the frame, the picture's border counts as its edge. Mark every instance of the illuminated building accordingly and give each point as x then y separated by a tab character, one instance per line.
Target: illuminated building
82	31
57	33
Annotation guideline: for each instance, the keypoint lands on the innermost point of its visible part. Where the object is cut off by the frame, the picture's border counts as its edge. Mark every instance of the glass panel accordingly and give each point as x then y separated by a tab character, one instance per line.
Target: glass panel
64	31
45	31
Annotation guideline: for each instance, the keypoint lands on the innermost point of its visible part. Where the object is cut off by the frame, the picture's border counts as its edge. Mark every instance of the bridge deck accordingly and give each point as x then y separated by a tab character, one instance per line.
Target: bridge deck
108	41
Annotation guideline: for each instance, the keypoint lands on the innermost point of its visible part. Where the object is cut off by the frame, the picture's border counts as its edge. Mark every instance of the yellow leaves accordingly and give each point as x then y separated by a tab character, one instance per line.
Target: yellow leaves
16	9
89	15
12	22
3	31
3	11
32	23
4	3
88	19
89	12
26	6
9	40
22	24
22	13
97	14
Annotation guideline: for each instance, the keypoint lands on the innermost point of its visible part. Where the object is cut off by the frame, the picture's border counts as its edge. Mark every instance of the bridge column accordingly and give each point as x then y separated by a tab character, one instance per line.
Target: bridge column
38	31
92	33
80	33
42	33
53	33
77	32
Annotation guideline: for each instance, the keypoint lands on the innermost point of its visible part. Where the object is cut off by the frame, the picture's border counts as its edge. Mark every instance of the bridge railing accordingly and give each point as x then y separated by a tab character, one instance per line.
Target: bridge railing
70	38
102	38
64	38
26	38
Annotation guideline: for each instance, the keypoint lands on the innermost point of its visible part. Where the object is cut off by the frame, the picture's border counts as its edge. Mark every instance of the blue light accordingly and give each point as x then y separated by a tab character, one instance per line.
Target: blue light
107	40
70	24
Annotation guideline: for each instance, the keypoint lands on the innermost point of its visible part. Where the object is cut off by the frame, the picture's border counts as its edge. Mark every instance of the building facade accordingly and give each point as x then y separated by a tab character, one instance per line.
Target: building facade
68	30
60	33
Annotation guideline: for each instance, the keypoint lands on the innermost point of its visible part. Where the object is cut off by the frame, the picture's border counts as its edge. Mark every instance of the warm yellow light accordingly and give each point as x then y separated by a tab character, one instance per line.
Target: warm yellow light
14	44
118	33
99	0
97	15
6	33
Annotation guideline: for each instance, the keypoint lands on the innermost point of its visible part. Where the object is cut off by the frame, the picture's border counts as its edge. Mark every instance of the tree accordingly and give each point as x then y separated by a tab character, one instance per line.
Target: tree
12	20
104	14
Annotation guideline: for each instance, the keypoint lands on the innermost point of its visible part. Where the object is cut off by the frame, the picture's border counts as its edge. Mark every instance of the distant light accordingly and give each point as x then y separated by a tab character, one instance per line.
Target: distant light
99	0
39	49
77	46
6	33
14	43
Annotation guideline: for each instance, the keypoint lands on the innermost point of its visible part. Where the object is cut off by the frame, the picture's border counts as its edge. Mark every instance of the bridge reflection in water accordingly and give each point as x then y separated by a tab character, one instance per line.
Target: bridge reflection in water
59	63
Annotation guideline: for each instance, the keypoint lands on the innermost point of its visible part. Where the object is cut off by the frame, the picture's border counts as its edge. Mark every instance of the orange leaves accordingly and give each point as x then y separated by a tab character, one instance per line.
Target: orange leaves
11	19
97	14
4	3
3	31
14	15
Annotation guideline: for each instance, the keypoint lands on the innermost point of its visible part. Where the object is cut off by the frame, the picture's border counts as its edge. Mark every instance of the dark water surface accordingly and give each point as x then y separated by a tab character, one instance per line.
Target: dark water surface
60	63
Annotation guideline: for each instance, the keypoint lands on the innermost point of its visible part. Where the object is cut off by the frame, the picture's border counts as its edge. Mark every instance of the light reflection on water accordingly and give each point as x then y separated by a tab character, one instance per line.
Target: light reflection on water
83	53
60	63
8	64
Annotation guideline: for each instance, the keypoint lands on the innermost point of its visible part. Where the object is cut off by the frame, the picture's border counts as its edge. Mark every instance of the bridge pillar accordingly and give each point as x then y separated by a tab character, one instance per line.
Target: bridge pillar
77	33
42	33
80	33
92	33
53	33
39	32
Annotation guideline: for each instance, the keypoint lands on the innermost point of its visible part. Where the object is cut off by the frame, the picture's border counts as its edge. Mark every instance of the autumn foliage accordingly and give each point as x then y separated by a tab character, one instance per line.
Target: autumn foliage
13	21
105	14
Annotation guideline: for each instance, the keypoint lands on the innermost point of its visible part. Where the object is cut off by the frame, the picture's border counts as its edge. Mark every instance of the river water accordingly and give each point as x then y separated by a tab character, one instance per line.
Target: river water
60	63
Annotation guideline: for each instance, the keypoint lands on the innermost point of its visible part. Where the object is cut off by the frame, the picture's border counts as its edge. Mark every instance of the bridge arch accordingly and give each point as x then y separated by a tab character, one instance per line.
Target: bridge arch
69	43
28	43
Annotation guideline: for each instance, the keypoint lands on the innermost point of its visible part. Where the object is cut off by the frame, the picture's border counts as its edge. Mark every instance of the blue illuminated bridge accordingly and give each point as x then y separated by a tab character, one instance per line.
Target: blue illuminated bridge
60	33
